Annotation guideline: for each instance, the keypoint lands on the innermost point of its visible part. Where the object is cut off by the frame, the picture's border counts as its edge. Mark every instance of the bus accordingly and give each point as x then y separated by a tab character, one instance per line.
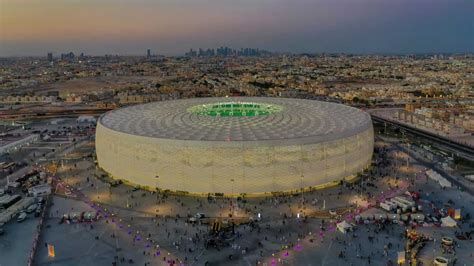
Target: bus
8	200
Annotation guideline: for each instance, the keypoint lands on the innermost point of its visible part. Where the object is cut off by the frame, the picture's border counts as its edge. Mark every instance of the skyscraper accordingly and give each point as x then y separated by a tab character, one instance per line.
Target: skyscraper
148	53
50	57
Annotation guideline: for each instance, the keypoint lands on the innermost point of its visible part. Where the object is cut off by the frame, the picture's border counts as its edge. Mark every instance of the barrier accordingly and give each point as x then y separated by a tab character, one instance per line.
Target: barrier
36	239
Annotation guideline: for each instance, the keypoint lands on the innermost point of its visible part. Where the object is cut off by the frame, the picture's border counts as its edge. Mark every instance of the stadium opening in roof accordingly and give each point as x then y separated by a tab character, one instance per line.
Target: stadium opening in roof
235	109
234	145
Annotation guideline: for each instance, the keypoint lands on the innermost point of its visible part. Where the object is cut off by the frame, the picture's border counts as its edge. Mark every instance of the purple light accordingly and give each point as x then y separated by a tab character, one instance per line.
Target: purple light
298	247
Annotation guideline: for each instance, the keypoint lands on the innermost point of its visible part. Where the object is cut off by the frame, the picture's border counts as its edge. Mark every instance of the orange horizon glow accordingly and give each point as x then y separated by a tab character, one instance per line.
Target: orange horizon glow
43	21
171	26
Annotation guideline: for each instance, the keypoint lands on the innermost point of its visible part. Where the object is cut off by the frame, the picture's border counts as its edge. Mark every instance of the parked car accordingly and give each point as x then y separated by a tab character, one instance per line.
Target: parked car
38	211
200	215
14	184
21	217
41	200
31	208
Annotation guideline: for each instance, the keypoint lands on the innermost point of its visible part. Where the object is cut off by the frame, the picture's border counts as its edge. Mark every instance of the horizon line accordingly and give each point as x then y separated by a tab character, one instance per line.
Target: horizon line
271	52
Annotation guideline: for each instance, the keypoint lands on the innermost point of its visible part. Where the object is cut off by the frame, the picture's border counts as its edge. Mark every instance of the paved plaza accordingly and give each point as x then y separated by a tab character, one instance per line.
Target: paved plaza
288	230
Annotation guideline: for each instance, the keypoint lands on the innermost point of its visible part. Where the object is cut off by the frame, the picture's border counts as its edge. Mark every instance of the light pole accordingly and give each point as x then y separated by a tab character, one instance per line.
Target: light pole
232	195
232	180
295	170
156	188
156	182
302	189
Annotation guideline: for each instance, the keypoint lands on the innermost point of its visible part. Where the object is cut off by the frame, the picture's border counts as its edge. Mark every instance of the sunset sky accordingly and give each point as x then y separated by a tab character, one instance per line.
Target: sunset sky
34	27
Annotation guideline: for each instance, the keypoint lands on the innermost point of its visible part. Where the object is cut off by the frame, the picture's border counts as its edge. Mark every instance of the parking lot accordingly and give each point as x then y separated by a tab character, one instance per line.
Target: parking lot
15	244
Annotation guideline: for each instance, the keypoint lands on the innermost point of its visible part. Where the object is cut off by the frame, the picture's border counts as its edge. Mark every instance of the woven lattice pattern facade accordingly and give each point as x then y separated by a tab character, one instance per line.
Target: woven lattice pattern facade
306	143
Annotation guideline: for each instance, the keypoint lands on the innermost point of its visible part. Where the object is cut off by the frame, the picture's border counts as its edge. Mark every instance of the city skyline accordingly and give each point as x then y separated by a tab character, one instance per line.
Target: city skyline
32	27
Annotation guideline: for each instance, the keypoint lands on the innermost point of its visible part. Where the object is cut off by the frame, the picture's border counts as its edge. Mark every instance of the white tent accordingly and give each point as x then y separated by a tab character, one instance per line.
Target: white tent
344	226
443	182
448	222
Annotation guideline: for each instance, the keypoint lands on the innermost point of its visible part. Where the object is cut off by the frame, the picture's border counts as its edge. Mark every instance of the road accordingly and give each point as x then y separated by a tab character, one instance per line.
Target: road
15	245
65	149
428	164
460	149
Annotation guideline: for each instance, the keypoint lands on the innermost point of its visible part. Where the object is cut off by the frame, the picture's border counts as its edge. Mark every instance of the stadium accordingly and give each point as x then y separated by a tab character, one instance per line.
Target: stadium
241	145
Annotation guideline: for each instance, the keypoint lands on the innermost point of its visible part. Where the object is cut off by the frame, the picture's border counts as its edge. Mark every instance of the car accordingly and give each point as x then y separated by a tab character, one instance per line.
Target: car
200	215
31	208
38	211
332	212
41	200
21	217
14	184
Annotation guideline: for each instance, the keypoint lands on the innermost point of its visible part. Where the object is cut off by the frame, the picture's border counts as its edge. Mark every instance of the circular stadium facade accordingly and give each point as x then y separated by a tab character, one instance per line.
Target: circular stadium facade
234	145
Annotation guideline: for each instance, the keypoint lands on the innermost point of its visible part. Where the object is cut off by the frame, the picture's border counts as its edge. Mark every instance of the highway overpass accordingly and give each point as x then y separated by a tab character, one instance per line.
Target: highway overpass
460	149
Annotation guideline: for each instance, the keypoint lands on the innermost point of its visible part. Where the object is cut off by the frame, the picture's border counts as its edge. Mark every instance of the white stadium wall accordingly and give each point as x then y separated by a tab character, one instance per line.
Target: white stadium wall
207	166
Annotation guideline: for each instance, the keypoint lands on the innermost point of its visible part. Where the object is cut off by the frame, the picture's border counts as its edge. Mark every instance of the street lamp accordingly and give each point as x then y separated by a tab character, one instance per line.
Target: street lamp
156	186
232	200
156	182
302	189
232	180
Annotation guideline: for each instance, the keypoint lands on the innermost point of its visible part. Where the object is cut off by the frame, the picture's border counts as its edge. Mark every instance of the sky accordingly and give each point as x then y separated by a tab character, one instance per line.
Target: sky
171	27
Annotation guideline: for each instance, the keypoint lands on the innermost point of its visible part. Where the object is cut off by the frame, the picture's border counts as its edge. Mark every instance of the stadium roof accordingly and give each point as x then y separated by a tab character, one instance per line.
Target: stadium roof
239	119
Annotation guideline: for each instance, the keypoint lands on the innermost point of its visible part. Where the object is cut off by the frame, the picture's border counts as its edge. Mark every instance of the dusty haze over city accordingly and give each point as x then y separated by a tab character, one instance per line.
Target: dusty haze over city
29	27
